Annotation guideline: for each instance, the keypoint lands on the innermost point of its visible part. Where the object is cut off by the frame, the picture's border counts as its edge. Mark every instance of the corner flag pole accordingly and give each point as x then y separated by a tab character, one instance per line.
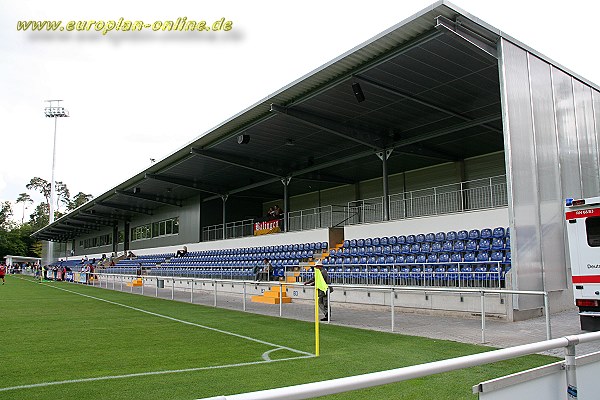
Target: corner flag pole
316	322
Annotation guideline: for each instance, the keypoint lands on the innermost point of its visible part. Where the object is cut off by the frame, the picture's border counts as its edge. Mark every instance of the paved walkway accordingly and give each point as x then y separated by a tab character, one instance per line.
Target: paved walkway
498	333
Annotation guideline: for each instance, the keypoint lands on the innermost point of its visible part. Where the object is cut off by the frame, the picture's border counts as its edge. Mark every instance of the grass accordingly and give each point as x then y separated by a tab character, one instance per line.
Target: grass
52	335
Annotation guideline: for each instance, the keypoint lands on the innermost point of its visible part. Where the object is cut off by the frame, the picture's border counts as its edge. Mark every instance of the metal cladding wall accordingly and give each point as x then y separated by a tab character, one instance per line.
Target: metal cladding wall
551	150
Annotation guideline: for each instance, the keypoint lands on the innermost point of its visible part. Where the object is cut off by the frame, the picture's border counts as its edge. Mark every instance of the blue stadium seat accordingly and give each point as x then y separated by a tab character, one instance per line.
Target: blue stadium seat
462	235
486	233
375	241
410	239
405	249
459	245
444	258
420	238
484	244
401	239
383	241
415	248
360	243
436	247
392	240
425	247
455	257
430	237
447	246
474	234
497	243
368	242
440	237
471	245
451	236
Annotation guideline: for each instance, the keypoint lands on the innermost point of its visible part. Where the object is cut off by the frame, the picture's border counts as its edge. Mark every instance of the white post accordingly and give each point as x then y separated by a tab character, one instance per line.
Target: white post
570	371
482	317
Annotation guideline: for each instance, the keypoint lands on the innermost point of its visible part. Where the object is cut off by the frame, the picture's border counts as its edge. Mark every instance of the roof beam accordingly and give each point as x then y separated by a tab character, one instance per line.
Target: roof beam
187	183
421	150
325	178
367	139
361	154
458	31
125	208
90	219
235	161
148	197
415	99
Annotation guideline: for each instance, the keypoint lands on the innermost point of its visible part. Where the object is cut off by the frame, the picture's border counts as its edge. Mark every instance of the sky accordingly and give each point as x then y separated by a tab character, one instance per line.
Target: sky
137	96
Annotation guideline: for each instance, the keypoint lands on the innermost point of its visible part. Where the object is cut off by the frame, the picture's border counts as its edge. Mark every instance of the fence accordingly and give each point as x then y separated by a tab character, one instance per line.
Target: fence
154	284
454	198
235	229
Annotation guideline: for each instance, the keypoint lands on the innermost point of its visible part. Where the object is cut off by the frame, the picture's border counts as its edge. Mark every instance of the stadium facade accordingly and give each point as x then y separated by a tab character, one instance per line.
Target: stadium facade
440	122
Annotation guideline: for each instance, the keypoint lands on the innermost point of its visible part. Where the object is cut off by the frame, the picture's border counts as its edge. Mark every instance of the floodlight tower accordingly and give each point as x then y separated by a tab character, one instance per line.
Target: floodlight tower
53	110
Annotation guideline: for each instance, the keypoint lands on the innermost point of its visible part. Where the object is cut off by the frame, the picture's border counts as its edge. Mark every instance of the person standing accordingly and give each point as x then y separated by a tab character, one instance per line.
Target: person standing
3	273
323	294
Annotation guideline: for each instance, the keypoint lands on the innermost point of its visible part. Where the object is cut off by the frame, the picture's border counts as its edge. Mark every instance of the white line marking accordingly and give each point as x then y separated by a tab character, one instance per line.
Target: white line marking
174	371
266	354
185	322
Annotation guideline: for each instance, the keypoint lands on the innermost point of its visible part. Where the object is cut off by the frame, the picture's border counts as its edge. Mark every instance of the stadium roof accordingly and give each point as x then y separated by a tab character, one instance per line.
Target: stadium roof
431	94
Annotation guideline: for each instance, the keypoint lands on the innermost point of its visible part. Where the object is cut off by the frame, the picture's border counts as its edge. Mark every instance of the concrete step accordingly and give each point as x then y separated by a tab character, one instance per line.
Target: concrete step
270	300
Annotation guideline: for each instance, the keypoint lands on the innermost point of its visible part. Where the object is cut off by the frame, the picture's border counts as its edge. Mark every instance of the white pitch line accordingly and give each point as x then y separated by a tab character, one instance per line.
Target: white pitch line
174	371
187	322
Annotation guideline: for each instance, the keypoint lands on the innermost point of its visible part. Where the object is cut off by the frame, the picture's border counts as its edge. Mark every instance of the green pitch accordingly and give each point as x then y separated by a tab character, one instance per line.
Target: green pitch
68	341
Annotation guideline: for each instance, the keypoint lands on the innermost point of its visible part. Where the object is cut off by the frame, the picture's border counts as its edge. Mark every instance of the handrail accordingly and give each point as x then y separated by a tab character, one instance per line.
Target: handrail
346	384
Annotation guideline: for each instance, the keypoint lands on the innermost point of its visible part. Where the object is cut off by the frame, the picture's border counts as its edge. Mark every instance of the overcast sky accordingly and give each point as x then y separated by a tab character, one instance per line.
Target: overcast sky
137	96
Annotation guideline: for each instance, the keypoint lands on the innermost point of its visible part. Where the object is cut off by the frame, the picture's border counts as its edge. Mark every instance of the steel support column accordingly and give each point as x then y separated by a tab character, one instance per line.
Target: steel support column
286	201
224	198
383	156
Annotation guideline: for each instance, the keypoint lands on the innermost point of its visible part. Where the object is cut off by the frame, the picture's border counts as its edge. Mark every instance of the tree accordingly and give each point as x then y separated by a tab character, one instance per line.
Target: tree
42	186
40	217
5	214
78	200
24	198
62	194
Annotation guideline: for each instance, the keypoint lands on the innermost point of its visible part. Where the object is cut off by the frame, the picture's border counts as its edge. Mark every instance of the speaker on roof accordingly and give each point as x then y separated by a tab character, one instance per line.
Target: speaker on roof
243	139
360	96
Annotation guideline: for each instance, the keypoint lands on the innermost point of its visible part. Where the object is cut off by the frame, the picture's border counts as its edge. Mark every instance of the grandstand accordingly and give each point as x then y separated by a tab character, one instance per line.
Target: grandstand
415	157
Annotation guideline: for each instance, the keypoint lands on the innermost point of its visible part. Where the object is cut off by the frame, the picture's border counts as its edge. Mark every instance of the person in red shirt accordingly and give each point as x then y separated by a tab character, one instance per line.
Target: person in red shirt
2	273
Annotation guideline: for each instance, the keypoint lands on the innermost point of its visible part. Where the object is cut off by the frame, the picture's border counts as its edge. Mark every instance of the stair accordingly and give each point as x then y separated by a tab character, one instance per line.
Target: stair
136	282
273	296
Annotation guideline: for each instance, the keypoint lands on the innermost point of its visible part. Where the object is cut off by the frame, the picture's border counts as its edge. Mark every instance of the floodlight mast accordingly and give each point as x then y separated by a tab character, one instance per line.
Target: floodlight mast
53	110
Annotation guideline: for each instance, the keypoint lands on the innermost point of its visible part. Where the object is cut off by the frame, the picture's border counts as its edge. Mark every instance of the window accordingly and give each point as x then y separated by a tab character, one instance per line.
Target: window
592	228
156	229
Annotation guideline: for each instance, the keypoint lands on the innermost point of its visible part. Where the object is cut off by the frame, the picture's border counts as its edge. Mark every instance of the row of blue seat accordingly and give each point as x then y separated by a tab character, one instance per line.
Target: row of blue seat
436	247
314	246
497	256
473	234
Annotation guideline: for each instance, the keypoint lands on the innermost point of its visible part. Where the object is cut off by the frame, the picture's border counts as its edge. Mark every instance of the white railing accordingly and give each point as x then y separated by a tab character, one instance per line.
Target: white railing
350	383
454	198
235	229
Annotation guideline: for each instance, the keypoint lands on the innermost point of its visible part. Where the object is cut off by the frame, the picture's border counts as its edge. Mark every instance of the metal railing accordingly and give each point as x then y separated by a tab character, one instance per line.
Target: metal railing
235	229
317	217
458	197
153	284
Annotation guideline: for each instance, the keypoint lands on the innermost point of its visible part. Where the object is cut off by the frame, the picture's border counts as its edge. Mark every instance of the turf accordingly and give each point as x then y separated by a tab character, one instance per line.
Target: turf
52	335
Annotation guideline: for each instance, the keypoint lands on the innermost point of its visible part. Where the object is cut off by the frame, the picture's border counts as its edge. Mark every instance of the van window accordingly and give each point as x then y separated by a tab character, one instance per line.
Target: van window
592	227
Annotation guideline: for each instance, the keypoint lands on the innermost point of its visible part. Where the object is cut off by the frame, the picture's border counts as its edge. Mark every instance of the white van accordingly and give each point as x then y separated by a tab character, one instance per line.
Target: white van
583	234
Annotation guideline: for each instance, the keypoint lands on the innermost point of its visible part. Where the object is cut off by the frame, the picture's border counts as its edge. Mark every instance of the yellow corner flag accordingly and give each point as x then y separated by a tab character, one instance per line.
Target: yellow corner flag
319	281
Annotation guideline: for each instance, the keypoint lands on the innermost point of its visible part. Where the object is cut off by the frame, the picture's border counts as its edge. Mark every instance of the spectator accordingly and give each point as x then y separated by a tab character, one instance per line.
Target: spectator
2	273
323	295
139	270
277	212
181	253
267	269
130	255
271	213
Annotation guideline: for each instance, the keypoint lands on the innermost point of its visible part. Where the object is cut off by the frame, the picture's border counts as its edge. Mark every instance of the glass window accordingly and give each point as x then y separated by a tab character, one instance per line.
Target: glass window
162	227
592	227
155	229
169	224
176	225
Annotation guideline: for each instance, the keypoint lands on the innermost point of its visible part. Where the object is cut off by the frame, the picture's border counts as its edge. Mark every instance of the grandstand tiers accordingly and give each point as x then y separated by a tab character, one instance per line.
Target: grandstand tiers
450	120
